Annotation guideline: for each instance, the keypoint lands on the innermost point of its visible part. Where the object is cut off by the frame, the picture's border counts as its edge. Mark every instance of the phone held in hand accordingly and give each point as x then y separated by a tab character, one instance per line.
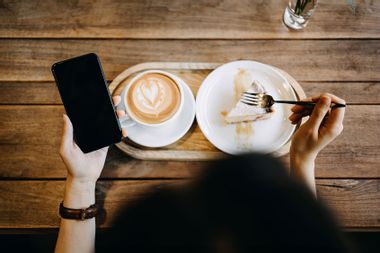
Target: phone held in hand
86	98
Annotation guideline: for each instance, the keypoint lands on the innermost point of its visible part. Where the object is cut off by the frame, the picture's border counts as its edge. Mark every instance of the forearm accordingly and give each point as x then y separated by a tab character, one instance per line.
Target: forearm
303	170
77	235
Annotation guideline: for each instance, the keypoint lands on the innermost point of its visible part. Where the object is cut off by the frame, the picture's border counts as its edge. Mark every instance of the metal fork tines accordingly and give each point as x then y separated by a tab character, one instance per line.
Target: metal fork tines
256	99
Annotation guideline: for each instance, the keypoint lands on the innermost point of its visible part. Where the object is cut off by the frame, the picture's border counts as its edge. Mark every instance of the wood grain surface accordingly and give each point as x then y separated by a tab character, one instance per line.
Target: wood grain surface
338	52
24	142
305	60
34	204
183	19
40	93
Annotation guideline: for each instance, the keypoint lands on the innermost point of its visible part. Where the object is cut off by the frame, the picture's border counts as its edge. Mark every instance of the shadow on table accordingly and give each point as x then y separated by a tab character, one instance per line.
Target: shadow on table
42	242
104	185
110	173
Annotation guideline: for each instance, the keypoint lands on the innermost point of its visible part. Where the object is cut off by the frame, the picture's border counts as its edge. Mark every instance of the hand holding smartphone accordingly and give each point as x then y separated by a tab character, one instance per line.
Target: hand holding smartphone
86	98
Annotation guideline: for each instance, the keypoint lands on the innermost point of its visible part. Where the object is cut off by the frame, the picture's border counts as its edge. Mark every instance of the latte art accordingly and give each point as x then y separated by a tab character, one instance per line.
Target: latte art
150	95
153	98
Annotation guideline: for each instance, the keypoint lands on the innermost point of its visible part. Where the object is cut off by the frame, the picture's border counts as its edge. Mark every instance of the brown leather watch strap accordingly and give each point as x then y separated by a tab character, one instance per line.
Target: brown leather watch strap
78	214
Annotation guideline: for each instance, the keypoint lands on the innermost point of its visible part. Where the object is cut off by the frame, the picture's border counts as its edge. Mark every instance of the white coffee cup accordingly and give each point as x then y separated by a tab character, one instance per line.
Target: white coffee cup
129	119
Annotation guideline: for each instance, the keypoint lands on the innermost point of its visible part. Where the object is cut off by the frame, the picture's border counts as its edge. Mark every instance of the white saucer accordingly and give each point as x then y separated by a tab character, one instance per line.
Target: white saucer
172	131
216	96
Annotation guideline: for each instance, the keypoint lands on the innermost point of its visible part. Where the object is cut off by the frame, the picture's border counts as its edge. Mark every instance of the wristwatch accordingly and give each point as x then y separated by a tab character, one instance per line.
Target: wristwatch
78	214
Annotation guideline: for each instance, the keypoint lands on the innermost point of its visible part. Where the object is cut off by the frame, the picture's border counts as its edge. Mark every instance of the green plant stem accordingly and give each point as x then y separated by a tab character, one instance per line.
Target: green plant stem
300	6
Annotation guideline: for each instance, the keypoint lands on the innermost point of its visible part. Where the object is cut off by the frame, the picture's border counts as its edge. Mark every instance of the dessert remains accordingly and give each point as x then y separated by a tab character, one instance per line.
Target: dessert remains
243	112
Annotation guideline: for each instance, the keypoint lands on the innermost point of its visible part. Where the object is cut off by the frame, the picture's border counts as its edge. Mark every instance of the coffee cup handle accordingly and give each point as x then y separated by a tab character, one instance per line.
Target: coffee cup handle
125	120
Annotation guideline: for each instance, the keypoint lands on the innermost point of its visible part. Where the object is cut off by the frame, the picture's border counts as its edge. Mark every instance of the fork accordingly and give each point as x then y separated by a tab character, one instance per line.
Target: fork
265	101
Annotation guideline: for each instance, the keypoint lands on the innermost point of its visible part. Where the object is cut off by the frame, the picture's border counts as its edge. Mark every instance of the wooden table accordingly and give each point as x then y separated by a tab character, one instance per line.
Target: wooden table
339	52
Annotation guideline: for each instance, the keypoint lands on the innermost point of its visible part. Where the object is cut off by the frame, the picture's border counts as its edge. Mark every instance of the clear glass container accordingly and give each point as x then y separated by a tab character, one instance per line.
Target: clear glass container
298	13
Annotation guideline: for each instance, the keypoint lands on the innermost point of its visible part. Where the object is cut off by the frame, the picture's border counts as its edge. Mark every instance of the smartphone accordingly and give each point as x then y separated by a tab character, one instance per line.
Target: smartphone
86	98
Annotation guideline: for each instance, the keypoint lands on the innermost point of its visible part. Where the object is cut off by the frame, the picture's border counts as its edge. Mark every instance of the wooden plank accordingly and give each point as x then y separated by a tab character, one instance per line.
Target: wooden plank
46	92
352	92
309	60
43	161
28	151
29	93
347	197
41	199
34	204
182	19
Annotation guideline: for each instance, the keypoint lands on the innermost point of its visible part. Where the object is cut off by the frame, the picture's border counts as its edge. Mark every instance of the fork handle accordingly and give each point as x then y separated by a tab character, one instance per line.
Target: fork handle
336	105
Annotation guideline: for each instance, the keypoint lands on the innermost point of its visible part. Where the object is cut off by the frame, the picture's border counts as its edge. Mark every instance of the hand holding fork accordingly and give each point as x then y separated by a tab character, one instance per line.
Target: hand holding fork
325	123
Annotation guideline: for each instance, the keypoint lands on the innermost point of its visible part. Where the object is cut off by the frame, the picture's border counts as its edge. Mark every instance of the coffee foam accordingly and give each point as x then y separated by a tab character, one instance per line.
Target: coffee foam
153	98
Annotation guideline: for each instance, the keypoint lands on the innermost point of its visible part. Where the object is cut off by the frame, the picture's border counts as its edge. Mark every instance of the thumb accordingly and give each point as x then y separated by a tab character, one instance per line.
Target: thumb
319	112
67	134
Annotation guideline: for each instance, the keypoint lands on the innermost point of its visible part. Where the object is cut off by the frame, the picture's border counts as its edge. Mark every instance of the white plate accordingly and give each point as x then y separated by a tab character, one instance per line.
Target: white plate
171	132
216	96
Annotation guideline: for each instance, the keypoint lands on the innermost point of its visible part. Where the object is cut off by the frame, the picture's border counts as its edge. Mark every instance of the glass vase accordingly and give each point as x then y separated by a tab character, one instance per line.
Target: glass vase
298	12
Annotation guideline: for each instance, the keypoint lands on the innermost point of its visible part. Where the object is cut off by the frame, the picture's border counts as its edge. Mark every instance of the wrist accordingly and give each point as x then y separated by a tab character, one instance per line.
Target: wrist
79	193
301	160
301	163
302	169
302	156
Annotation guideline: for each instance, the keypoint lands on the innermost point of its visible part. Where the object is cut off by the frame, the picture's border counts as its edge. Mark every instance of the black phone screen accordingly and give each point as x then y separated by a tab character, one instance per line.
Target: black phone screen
85	95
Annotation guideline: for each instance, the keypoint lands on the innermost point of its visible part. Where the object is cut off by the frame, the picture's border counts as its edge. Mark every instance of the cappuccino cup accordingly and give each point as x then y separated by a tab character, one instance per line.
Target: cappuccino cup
151	98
